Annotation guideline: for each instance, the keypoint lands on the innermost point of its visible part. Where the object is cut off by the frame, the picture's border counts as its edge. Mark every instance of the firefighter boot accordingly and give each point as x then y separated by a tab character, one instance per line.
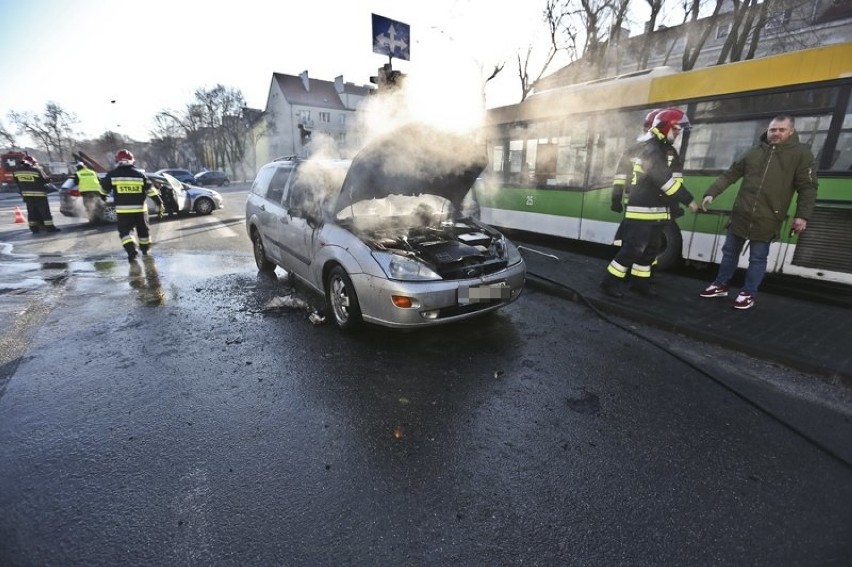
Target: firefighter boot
131	251
643	286
612	286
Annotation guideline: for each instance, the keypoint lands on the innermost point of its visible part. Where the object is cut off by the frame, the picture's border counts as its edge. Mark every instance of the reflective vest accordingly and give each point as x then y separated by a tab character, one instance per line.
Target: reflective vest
88	181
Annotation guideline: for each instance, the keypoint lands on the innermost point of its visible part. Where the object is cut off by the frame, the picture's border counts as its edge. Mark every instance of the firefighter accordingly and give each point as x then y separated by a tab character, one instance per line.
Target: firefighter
651	185
90	189
34	186
619	196
131	188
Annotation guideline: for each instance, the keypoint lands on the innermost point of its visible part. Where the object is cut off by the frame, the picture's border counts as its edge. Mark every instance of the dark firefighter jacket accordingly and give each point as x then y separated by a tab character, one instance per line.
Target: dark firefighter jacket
130	188
770	175
32	182
646	173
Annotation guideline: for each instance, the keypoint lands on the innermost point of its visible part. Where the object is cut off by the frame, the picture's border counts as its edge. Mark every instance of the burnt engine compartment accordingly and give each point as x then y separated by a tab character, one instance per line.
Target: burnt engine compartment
453	249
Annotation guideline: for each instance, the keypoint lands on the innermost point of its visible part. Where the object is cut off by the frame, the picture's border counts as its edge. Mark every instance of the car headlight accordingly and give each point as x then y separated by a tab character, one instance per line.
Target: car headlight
513	255
398	267
505	250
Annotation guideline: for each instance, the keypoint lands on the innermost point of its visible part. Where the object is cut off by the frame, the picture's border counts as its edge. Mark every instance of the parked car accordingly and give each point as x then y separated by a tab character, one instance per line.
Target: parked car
385	244
182	175
217	178
179	198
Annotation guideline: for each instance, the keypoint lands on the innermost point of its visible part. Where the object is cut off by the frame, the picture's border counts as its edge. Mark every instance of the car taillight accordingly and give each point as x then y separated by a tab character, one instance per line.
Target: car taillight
74	192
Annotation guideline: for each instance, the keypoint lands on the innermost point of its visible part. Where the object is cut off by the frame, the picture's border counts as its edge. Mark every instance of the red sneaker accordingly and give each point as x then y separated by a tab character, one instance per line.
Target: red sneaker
745	300
715	290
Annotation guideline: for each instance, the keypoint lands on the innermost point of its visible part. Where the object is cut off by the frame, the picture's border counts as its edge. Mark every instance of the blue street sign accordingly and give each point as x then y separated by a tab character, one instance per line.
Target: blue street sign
391	38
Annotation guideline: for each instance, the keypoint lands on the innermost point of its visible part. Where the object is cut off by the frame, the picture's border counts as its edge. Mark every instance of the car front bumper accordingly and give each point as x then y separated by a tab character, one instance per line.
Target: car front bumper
436	302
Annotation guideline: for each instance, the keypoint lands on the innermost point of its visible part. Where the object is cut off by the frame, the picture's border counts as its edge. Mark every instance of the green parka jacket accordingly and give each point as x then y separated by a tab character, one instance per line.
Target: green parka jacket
770	176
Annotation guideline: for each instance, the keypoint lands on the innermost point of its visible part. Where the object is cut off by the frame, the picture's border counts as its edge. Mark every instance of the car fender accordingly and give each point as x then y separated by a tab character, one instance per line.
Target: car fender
330	255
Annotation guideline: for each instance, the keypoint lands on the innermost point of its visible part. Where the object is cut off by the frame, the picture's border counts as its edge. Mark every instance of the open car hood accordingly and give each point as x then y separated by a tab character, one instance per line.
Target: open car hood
412	160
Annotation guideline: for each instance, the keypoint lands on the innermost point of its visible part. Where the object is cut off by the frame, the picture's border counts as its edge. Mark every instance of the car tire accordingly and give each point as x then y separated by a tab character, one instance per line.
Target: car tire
204	206
342	300
109	215
226	182
263	263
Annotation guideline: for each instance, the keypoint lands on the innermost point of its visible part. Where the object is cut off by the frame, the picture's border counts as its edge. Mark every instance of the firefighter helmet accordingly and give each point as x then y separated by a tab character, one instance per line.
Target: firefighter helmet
29	160
649	118
670	121
80	165
124	157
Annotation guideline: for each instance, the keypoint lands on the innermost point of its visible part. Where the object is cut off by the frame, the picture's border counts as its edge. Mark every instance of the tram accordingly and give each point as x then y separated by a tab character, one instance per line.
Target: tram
552	156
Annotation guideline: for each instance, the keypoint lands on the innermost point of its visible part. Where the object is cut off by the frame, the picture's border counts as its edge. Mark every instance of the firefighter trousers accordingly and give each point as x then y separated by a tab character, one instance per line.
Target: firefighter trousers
127	223
640	245
38	213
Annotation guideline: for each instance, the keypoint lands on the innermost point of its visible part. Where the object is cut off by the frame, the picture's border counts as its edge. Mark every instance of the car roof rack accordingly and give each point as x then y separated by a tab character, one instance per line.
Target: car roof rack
286	158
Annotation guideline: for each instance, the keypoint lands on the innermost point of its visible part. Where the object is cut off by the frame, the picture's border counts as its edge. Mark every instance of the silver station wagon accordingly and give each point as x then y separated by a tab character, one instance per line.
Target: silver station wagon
384	236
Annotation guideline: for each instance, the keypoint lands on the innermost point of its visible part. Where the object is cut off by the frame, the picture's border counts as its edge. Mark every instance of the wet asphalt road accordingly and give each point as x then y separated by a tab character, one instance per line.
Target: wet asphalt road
171	414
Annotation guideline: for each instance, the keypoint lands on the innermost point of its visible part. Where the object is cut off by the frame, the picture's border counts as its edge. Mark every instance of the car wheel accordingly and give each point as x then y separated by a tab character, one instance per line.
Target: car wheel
204	206
226	182
263	263
342	299
109	214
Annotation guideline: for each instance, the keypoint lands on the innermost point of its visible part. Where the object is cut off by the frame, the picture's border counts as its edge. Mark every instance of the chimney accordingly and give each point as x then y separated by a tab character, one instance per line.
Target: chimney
305	81
338	84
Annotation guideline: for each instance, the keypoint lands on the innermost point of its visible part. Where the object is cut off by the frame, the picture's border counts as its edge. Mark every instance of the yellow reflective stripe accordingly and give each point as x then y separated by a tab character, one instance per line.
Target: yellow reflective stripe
617	269
671	186
128	240
25	176
647	216
640	271
122	209
638	209
33	194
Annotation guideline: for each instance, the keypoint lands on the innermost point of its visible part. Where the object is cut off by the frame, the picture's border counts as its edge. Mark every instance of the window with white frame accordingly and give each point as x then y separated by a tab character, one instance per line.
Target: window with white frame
325	117
722	30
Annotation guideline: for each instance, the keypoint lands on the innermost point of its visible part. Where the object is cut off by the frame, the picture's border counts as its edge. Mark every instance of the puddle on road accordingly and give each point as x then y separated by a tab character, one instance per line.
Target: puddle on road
99	276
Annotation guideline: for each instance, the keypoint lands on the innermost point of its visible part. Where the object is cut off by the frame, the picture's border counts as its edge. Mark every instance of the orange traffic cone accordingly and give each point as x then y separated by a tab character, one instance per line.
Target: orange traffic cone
19	216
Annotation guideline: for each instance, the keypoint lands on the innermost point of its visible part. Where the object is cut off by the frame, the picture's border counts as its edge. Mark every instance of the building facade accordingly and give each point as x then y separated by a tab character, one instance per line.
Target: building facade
790	25
305	115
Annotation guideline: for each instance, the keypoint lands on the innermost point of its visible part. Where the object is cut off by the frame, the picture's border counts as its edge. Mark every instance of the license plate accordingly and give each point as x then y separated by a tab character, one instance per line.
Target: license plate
490	293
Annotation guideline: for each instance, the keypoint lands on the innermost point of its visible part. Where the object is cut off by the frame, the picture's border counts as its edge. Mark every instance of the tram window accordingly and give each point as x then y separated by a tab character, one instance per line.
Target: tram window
792	102
717	146
497	159
841	160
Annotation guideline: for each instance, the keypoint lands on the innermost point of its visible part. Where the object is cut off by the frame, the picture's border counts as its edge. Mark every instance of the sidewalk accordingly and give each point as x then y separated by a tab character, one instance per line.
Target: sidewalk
801	334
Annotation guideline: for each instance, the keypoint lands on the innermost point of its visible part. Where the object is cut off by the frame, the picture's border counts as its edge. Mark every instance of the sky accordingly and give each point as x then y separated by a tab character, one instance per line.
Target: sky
116	65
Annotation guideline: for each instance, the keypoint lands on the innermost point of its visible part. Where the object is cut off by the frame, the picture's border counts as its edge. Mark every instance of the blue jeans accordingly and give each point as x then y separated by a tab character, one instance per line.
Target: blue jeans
758	251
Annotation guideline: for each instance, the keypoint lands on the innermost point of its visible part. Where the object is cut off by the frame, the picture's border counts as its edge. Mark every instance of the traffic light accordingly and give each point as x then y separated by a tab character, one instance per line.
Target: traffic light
387	79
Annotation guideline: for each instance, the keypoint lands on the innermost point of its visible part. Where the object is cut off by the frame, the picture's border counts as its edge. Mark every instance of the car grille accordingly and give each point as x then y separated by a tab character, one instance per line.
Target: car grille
471	269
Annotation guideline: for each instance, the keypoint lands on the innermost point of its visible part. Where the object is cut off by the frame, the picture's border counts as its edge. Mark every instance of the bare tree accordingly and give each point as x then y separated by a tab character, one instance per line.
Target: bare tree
656	7
562	36
6	136
52	130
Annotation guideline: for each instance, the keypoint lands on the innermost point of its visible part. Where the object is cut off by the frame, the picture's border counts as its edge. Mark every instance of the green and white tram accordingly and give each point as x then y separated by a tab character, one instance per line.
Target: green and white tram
552	157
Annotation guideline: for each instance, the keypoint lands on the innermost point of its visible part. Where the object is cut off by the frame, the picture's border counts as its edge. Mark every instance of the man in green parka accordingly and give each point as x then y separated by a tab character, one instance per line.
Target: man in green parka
771	172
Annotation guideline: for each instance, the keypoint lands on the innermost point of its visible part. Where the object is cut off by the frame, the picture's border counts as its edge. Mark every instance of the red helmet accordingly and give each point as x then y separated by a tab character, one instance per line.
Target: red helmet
29	160
649	118
670	120
124	157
